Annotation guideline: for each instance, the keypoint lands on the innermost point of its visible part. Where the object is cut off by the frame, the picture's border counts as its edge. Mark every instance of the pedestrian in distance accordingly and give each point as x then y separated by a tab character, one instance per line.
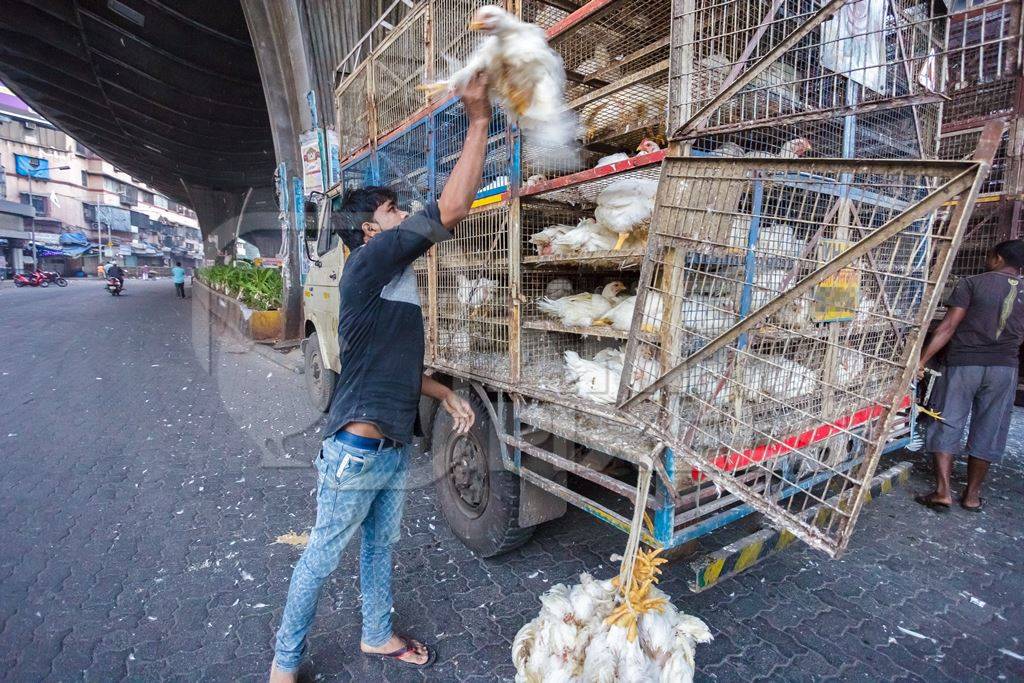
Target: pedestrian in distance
178	275
363	460
982	333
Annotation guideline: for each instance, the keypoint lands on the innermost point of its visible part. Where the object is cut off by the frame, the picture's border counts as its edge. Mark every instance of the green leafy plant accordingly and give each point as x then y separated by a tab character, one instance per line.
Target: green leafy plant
258	288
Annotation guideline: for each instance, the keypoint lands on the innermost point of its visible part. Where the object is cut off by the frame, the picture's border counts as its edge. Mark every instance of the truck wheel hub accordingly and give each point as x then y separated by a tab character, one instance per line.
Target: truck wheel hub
467	474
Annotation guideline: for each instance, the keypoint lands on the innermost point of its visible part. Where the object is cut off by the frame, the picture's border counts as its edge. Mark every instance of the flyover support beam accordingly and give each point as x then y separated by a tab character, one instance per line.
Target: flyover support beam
281	50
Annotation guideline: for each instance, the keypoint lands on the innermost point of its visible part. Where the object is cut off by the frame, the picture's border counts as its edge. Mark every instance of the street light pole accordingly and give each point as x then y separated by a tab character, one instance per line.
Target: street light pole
31	176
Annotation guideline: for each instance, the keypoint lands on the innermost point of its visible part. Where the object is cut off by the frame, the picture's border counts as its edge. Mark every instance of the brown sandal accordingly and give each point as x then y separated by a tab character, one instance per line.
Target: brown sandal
406	649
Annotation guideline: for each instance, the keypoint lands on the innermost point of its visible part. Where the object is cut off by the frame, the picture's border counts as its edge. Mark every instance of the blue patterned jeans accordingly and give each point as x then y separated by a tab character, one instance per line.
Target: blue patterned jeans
354	487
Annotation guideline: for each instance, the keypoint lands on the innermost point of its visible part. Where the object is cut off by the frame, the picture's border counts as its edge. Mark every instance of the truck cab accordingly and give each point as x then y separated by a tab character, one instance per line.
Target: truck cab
320	294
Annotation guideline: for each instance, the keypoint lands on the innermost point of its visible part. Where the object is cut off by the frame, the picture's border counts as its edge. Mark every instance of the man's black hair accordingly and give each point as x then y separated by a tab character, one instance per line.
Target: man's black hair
177	263
1012	252
357	207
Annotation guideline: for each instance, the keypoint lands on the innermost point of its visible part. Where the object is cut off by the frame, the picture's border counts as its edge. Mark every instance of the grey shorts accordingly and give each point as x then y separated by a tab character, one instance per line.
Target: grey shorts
983	393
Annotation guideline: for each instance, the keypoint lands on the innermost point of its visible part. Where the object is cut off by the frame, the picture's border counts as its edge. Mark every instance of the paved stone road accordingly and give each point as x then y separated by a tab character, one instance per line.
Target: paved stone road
137	533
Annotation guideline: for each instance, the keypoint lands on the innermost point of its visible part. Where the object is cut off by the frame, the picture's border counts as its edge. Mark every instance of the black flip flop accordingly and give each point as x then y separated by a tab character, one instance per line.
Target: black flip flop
407	648
921	499
975	508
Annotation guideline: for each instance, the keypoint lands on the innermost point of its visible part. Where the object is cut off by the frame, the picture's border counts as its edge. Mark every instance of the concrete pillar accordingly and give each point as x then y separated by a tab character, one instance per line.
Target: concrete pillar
275	29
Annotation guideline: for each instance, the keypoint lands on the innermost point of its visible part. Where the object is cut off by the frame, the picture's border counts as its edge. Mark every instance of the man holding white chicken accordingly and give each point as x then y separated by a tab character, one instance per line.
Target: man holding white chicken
362	463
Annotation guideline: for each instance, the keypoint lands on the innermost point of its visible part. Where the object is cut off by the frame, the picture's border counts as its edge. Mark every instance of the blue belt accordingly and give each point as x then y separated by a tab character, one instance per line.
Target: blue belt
364	442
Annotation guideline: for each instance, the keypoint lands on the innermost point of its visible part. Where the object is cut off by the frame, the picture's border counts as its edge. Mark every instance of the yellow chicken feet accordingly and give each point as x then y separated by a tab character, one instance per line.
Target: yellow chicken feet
432	90
623	236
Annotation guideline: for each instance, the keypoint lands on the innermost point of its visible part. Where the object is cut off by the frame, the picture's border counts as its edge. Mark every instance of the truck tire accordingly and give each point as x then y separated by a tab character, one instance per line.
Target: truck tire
320	379
477	496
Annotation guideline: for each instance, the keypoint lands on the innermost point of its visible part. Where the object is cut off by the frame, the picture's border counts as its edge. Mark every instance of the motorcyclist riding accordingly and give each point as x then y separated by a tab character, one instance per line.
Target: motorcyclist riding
115	271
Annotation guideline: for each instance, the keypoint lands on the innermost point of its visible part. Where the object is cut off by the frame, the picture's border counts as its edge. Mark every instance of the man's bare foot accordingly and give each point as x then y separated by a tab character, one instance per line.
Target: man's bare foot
934	500
278	676
417	654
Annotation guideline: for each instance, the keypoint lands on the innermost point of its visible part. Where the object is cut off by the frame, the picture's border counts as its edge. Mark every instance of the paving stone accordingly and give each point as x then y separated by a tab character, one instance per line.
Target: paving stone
117	566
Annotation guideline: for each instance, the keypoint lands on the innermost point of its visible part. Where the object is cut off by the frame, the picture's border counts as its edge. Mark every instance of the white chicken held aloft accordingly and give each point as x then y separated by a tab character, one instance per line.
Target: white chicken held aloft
625	205
524	74
473	295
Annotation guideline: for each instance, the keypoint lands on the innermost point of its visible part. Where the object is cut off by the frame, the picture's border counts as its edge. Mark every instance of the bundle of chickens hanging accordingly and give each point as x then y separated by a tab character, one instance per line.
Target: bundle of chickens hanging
525	77
604	632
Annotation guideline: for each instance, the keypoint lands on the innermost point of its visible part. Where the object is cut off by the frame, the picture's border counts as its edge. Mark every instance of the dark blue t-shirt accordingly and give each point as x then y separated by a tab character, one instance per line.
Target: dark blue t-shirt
380	329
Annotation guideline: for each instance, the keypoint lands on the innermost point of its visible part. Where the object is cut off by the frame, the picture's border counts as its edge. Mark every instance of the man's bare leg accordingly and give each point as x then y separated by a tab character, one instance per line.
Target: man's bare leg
278	676
943	469
976	471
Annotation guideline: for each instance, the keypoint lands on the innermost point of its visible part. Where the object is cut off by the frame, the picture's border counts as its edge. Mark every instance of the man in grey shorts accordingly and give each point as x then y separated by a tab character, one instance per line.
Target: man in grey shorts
983	327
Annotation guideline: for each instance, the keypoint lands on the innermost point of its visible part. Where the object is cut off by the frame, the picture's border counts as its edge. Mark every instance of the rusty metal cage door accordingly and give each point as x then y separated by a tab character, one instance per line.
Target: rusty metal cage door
789	299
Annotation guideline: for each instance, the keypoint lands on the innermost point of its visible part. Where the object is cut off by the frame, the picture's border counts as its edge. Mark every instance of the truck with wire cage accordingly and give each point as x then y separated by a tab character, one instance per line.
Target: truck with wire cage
771	303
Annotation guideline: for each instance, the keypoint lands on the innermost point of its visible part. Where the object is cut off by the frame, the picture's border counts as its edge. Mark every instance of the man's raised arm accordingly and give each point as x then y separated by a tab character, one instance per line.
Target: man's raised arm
464	181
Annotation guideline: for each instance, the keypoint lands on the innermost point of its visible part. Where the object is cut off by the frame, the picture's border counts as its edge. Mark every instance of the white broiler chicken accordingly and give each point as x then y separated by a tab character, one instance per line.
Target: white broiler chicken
533	180
474	295
620	317
524	75
633	104
625	205
728	149
588	236
611	358
772	282
646	369
793	149
580	310
849	369
558	288
608	643
706	316
544	239
647	146
779	378
594	381
775	239
612	159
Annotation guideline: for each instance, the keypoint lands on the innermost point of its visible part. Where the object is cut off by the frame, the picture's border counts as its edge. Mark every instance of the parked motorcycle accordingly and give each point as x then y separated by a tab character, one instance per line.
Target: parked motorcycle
35	279
114	286
55	277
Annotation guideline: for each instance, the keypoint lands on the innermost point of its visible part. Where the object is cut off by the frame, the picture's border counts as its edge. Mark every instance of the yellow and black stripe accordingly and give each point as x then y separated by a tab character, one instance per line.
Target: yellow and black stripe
748	551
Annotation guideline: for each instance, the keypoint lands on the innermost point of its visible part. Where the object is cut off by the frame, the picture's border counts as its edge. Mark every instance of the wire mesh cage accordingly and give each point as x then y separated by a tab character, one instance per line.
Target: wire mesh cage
399	66
616	63
352	104
988	226
983	44
786	299
450	125
360	172
961	145
473	298
404	166
871	55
